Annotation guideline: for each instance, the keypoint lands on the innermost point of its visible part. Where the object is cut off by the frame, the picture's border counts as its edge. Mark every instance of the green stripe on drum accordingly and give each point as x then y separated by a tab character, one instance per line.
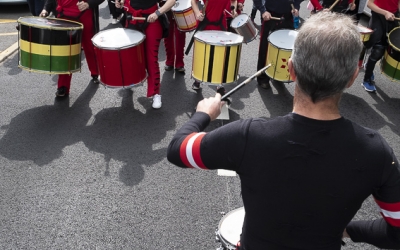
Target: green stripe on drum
50	64
50	50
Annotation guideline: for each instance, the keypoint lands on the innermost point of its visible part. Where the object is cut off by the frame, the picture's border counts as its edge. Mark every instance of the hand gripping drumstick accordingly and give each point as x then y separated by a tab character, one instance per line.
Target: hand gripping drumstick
222	90
333	5
277	18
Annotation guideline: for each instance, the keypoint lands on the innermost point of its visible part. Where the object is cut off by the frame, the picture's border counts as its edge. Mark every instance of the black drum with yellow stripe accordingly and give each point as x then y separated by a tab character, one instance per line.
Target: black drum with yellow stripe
390	63
49	45
216	57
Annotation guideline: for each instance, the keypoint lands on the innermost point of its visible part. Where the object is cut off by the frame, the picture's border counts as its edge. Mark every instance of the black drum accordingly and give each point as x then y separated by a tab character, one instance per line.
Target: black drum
49	45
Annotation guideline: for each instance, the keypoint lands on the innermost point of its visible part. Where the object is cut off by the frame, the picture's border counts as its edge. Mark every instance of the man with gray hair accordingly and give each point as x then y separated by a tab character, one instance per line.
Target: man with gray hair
304	175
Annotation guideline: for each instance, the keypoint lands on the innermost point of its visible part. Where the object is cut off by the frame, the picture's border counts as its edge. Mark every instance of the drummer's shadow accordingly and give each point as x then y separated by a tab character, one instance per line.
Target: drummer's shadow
40	134
242	93
358	110
12	64
279	103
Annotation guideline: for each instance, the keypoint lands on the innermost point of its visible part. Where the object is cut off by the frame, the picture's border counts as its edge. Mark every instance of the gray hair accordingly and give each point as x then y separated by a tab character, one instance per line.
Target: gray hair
325	55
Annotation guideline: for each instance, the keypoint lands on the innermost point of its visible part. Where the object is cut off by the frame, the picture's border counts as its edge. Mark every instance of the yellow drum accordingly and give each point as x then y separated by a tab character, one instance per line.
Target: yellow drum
49	45
365	33
216	57
390	63
280	46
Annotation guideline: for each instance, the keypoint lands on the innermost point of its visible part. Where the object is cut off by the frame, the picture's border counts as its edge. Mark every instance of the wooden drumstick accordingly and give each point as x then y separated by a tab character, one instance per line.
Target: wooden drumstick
397	18
225	97
228	12
139	18
277	18
333	5
291	4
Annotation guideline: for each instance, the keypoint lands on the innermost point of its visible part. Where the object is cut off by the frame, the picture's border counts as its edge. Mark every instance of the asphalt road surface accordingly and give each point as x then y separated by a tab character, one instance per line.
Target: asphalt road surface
90	171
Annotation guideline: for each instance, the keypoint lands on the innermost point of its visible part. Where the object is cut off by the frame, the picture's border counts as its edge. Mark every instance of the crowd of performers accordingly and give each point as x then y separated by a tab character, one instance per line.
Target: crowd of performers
214	15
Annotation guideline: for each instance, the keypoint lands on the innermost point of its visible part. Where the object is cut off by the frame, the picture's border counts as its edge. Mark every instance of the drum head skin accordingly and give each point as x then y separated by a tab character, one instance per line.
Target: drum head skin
394	38
118	38
283	39
230	226
50	23
218	38
239	21
181	5
364	30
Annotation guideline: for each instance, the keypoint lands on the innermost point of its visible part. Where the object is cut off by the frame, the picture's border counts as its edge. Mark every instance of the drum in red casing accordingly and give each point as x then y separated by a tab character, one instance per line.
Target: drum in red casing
120	57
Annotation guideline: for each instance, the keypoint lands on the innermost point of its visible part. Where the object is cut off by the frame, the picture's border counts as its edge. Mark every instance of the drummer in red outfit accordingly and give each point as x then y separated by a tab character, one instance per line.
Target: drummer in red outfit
153	30
87	13
214	18
174	46
229	18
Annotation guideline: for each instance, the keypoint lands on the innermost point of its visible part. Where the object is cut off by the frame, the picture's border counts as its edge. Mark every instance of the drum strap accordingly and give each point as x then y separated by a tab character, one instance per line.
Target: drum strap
202	25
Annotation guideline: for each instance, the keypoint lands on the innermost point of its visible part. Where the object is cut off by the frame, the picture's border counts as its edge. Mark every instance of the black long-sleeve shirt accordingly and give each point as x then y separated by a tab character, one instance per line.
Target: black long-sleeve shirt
302	180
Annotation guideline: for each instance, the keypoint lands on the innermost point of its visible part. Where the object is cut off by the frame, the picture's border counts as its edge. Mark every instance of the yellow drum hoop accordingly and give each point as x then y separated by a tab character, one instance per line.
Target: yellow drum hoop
51	27
218	44
390	43
50	73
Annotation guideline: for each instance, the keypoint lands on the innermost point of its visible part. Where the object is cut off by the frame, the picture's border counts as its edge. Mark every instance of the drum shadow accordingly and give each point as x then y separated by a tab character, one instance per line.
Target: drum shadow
40	134
279	103
12	64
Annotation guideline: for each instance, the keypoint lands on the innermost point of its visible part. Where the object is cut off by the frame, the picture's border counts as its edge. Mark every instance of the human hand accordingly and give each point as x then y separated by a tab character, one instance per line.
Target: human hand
211	106
82	6
240	6
234	13
200	17
266	16
119	4
353	6
389	16
295	12
44	13
152	18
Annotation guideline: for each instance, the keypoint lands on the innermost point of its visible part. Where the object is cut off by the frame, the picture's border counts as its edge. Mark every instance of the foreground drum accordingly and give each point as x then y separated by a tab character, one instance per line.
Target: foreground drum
365	33
230	228
280	46
49	45
184	15
120	57
244	27
390	65
216	57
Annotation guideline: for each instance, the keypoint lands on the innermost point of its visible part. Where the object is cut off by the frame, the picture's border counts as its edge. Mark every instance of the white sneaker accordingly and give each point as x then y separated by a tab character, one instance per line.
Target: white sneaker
114	21
157	101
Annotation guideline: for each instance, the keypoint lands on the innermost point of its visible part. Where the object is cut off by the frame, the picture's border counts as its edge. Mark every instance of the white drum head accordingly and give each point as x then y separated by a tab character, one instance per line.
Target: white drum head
240	20
181	5
364	30
283	39
118	38
219	38
230	226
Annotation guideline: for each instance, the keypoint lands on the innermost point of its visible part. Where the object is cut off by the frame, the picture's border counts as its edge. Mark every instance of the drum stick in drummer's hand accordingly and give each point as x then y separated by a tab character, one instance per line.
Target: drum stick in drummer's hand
225	97
333	5
277	18
139	18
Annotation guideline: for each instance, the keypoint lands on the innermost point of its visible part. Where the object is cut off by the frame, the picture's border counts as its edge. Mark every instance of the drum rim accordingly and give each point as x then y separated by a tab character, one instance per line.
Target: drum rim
281	30
365	33
226	216
390	43
218	44
49	72
50	27
119	48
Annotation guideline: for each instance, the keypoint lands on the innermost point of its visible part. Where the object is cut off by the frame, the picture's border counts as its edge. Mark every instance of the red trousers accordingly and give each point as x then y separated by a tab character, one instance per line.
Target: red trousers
88	32
174	44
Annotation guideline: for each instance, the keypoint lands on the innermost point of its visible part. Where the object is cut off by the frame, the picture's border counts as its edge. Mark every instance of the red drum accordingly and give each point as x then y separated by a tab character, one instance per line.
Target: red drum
120	57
